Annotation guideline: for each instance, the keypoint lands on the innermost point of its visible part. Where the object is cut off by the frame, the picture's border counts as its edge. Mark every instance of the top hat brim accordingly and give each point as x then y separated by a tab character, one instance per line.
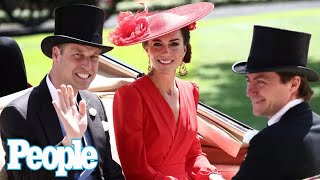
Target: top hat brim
241	68
49	42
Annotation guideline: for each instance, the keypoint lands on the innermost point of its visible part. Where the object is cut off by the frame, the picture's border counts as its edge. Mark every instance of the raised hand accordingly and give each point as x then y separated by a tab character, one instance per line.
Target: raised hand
74	121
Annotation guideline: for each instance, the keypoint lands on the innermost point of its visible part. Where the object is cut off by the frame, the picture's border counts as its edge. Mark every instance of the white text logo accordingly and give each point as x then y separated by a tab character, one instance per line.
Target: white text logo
59	158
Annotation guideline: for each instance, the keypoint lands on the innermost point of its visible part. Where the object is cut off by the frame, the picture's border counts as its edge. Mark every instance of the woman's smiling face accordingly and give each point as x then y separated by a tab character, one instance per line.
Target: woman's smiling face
166	52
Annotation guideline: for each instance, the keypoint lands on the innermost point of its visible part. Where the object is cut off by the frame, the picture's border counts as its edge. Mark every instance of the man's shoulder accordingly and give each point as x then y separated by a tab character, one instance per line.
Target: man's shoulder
87	95
316	117
91	98
291	129
17	106
21	102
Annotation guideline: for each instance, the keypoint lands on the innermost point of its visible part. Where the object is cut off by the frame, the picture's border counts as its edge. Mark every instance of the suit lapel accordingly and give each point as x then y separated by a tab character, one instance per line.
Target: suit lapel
94	124
48	116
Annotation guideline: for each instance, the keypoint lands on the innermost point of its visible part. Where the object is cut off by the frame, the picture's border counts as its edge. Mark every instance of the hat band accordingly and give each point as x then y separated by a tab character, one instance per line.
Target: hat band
93	38
259	63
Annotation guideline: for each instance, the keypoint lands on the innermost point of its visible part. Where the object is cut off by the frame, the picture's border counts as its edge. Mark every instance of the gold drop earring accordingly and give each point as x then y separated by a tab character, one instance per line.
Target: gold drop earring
149	68
183	69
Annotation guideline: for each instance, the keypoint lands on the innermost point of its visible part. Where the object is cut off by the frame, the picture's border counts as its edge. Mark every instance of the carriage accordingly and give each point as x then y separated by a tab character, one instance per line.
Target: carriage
221	136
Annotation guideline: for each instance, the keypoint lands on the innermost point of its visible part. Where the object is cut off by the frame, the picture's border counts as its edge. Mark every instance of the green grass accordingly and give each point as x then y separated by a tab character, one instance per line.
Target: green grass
217	44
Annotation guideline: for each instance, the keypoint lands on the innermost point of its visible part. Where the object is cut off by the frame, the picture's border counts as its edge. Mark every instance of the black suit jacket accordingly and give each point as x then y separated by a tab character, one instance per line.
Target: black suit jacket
289	149
33	117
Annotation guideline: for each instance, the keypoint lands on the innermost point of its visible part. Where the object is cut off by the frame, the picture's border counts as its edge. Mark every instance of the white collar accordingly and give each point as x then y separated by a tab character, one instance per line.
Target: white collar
277	116
53	91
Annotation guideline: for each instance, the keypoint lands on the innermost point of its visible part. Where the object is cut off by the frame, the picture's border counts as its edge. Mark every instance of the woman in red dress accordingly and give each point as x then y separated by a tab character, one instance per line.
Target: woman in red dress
155	117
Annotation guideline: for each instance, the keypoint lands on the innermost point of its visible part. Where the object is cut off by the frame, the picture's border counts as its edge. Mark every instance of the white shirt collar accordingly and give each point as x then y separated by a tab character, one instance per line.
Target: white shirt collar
276	117
249	135
52	89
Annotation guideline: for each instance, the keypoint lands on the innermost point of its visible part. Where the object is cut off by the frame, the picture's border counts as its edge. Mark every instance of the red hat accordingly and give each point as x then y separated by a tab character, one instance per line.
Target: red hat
143	26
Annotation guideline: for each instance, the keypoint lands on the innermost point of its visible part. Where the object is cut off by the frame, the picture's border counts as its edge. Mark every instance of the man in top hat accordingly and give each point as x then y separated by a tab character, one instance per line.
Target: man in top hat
74	48
277	84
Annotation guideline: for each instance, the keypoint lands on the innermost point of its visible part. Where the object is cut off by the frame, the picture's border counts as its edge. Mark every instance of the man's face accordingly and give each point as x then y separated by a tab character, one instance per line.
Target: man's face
75	65
267	93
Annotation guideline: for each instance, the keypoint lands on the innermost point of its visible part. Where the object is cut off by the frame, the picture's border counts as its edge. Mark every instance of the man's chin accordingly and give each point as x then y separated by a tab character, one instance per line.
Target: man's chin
82	87
257	113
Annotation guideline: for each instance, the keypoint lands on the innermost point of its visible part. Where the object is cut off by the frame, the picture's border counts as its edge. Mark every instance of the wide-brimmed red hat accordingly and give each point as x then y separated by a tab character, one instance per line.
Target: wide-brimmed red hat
143	26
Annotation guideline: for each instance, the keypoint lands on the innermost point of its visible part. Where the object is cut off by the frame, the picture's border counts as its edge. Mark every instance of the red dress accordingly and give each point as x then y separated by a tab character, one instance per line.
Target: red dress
151	145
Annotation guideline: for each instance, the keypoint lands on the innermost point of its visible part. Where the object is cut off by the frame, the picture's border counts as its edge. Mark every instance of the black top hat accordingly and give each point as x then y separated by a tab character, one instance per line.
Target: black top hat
77	23
277	50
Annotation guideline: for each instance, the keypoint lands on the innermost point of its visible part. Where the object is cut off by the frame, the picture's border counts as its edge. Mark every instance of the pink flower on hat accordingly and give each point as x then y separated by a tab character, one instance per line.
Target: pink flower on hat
192	26
131	27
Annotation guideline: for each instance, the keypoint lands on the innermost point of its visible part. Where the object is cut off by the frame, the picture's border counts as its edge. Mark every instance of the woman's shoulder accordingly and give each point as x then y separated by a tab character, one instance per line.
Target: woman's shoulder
138	82
188	84
133	87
